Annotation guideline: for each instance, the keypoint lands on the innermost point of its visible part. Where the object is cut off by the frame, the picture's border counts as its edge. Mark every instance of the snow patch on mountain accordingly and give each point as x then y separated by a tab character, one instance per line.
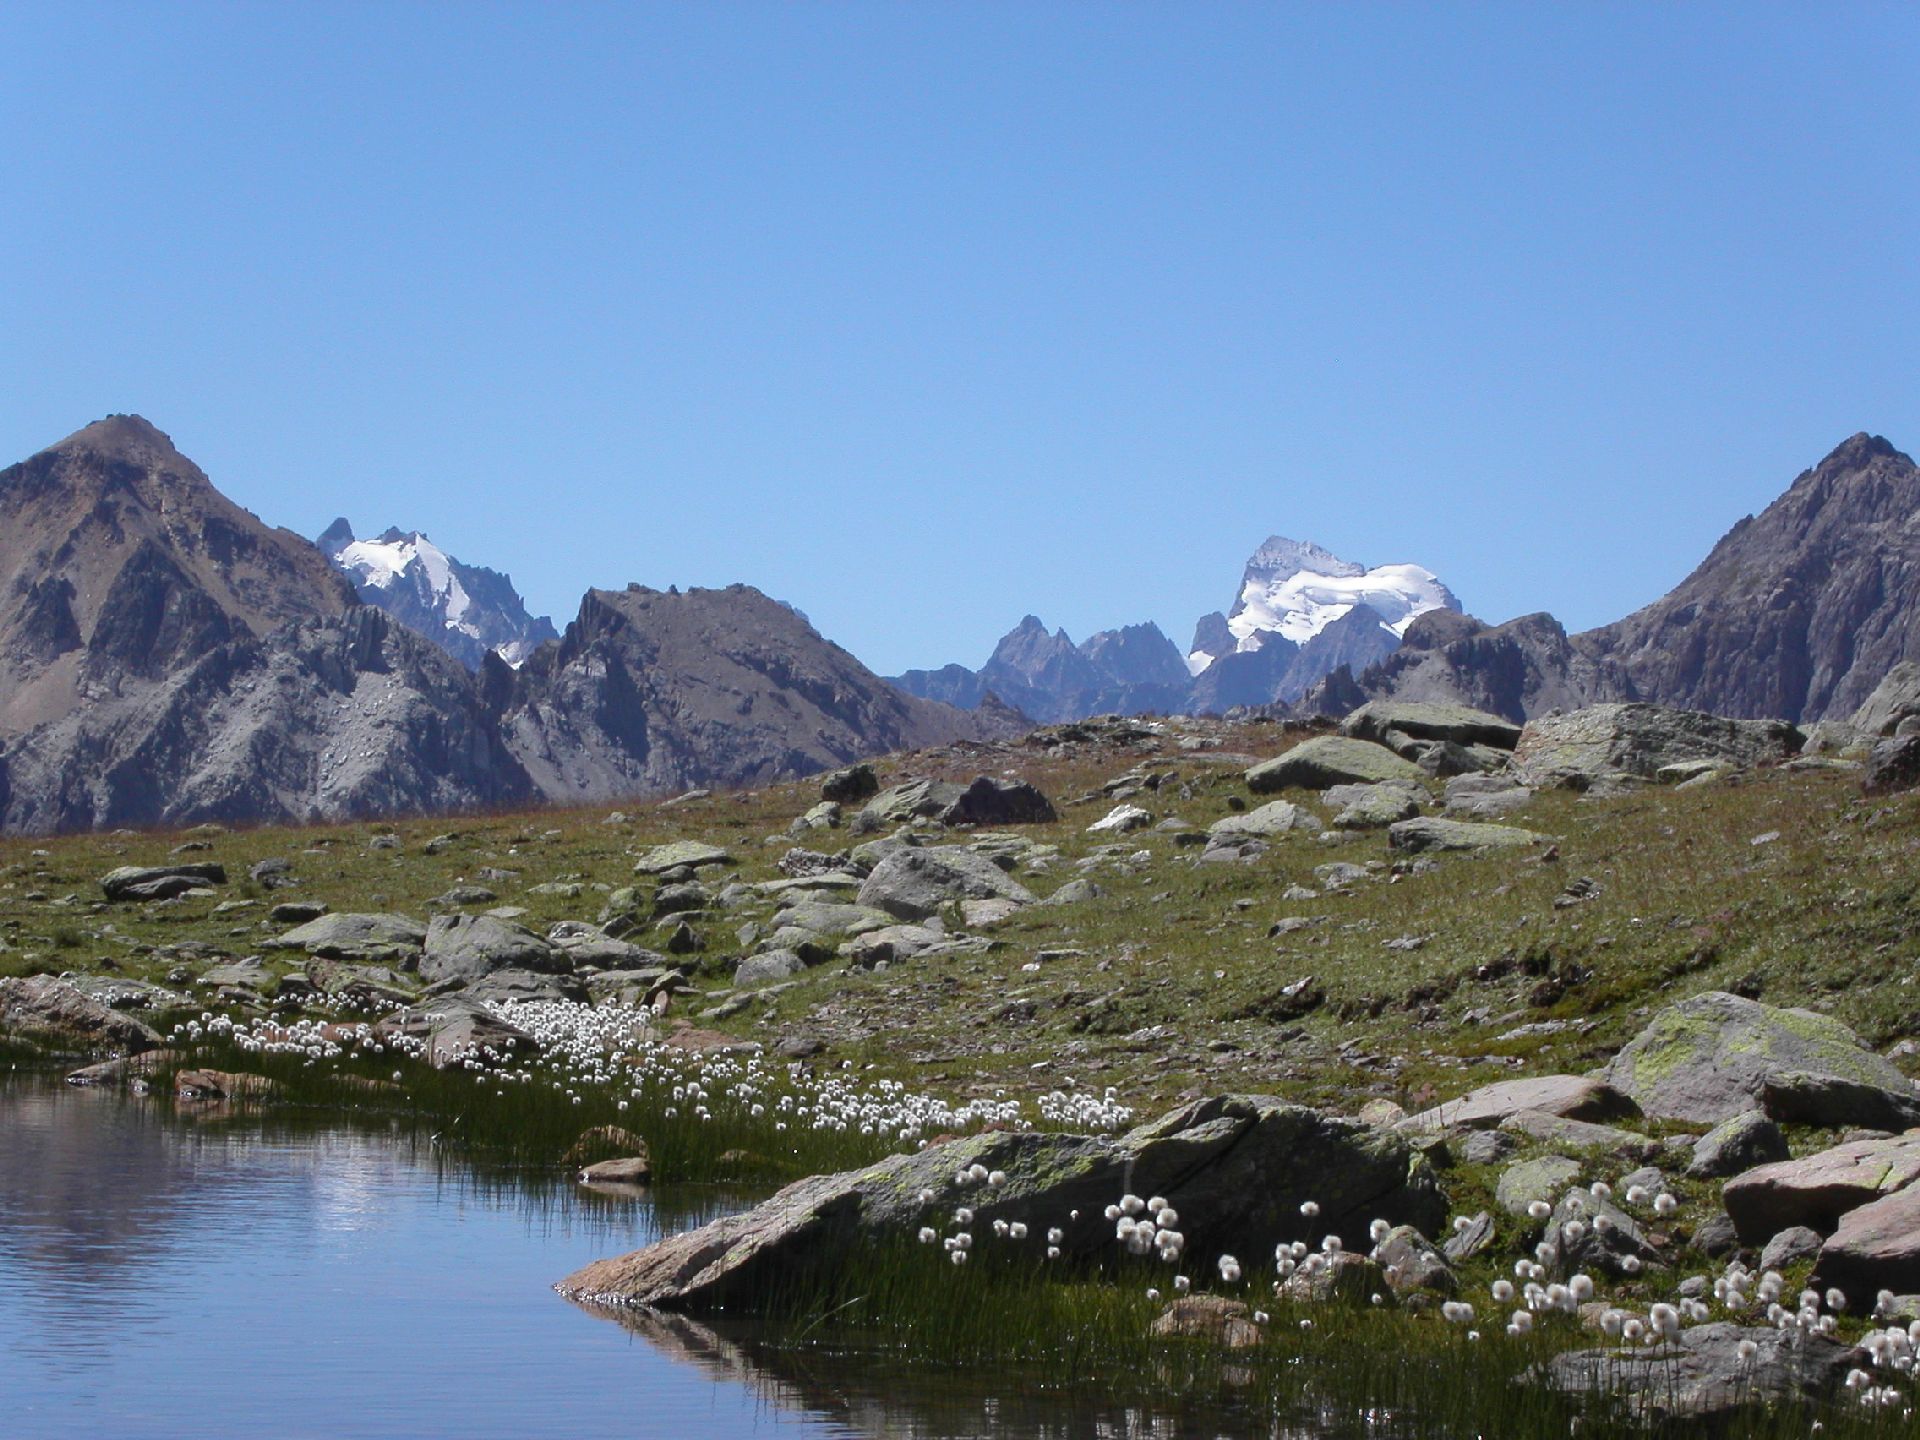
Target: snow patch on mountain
465	609
1296	589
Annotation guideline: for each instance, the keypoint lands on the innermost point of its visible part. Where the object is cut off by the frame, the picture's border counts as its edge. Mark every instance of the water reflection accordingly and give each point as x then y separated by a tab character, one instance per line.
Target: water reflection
215	1275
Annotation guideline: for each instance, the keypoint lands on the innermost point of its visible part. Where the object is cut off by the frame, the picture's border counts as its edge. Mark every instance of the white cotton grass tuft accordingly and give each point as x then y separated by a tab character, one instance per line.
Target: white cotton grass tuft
1229	1270
1132	1204
1457	1312
1378	1231
1181	1284
1502	1291
1630	1264
1017	1230
928	1235
1156	1204
1539	1209
1056	1235
1461	1224
1665	1204
1310	1208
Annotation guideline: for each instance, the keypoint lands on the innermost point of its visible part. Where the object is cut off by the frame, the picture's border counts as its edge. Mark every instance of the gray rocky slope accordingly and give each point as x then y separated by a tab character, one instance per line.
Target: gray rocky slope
1797	614
168	659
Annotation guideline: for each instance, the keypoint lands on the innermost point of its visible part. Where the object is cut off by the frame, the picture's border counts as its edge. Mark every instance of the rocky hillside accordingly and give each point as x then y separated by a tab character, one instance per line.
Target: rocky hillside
467	610
1797	614
650	691
170	659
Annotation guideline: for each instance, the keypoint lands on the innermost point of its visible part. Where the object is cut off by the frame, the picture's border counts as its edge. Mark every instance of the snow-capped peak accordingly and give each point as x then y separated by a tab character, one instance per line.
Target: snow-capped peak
1295	589
465	609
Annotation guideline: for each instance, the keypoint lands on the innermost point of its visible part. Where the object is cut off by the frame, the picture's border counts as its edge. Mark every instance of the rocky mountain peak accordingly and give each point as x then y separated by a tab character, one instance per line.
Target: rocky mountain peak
129	438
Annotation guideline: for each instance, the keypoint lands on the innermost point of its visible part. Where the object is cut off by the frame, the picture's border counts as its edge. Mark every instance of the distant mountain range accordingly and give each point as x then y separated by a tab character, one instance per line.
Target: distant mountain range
464	609
1300	614
166	658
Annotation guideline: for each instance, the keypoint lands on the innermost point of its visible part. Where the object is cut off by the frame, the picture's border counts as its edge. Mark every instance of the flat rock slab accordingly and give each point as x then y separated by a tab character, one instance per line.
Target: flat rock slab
1710	1057
1818	1190
687	854
1422	720
45	1007
1701	1375
1565	1134
1276	817
1581	747
630	1170
159	882
913	883
1573	1097
470	947
1430	833
1237	1167
354	937
1877	1247
453	1028
1331	760
1541	1178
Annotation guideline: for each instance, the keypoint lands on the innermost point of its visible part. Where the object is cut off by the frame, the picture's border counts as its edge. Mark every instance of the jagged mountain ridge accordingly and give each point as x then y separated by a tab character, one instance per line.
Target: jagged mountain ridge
467	610
170	659
1796	614
1301	612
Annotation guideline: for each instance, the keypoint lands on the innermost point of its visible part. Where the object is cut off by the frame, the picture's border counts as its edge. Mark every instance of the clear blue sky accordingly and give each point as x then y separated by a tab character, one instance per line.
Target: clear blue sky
923	316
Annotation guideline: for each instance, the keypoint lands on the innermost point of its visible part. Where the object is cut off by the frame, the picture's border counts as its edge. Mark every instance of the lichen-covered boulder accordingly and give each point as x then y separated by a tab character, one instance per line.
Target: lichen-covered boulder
1430	832
44	1007
1237	1169
1709	1058
1581	747
913	883
1423	720
1816	1190
1329	760
1703	1375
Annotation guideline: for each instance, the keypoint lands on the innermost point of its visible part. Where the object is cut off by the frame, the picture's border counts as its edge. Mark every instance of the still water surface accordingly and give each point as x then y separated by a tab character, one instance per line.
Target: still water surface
163	1275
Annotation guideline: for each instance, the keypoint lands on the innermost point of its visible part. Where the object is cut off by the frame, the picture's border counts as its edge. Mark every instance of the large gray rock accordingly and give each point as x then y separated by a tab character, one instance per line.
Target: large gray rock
680	854
452	1028
1618	1249
1580	1135
1430	832
355	937
1701	1374
1709	1058
1894	699
1747	1140
1541	1179
1817	1190
855	782
988	801
160	882
1892	766
1578	748
1875	1248
825	917
1485	797
1276	817
913	883
767	967
1236	1167
1460	724
915	800
1374	807
45	1008
466	947
1574	1097
1328	760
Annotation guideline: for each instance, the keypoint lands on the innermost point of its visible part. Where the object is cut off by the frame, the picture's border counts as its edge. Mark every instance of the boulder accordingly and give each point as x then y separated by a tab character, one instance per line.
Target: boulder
1346	1277
1892	766
1121	820
1276	817
1375	807
1709	1058
296	912
522	985
1237	1167
1459	724
222	1085
1737	1145
1789	1247
911	884
826	917
355	937
1331	760
988	801
1619	1249
1875	1248
1894	699
1701	1374
1835	1101
855	782
915	800
1411	1264
1578	748
1540	1178
1228	1323
160	882
450	1028
1574	1097
680	854
466	947
44	1007
767	967
1430	833
1485	797
364	985
627	1170
1817	1190
1582	1135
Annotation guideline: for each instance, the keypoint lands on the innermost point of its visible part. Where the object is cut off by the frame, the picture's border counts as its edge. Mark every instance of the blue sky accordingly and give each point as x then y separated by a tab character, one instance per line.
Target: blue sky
924	316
